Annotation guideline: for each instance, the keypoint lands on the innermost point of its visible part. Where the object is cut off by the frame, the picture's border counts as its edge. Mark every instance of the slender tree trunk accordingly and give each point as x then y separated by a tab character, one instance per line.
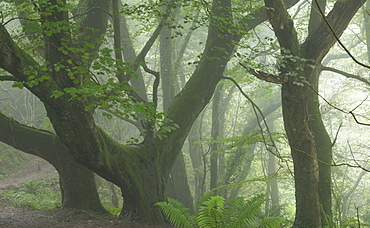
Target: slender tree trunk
272	207
195	153
215	134
178	187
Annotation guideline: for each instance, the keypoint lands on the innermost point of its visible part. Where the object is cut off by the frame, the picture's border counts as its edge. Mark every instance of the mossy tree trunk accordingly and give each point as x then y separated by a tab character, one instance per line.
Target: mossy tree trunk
77	183
295	96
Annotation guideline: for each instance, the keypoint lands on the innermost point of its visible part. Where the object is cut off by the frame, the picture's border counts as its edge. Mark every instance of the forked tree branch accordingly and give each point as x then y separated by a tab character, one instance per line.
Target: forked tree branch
337	37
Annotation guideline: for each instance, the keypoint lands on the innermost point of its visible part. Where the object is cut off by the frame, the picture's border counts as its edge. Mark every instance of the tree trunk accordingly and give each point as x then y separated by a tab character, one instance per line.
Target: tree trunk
324	150
322	139
77	183
272	208
178	187
302	144
78	187
295	97
215	134
197	161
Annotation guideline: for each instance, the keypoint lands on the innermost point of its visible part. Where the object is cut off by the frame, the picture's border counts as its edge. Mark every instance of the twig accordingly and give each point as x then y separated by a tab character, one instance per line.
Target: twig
336	135
337	38
339	109
333	165
257	109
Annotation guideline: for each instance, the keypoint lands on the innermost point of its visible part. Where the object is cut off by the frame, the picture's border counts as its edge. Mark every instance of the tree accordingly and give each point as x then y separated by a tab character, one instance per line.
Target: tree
70	93
295	72
141	171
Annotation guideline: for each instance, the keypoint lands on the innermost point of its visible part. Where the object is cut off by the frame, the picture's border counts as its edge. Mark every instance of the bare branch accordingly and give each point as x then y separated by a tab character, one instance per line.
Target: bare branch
141	56
337	37
257	109
348	75
265	76
339	109
334	165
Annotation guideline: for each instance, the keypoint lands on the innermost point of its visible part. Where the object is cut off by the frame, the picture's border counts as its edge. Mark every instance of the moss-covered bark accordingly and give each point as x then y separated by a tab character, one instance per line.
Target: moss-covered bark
76	181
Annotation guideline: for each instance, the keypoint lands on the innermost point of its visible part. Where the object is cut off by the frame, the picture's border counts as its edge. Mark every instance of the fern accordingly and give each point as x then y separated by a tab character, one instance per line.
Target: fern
242	213
215	213
210	214
177	214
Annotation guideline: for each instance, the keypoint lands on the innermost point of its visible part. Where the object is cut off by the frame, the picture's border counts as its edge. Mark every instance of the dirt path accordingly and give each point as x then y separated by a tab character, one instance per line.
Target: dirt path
11	217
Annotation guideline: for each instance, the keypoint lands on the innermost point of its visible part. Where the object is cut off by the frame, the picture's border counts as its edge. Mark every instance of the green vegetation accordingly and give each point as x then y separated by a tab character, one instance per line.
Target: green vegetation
39	194
215	213
10	160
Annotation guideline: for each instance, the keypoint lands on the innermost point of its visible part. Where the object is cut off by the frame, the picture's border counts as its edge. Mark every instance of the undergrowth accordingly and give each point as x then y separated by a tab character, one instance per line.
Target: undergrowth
214	212
39	195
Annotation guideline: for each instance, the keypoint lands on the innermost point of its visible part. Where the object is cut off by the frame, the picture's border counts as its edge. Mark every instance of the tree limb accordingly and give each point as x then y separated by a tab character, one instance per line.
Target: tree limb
347	75
8	78
319	42
265	76
337	37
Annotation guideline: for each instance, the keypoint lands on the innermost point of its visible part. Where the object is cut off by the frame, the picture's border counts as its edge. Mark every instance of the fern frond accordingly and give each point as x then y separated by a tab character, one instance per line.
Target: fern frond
271	222
242	213
210	213
177	214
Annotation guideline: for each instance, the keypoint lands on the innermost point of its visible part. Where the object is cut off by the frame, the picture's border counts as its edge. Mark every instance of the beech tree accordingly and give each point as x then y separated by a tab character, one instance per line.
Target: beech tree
303	125
70	94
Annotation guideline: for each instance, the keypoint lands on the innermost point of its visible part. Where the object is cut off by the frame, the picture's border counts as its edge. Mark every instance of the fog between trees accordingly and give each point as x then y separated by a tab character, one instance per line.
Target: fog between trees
177	98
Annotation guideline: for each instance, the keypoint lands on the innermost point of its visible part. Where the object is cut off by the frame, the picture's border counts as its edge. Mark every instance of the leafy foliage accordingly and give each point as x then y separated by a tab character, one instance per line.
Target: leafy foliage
177	214
214	212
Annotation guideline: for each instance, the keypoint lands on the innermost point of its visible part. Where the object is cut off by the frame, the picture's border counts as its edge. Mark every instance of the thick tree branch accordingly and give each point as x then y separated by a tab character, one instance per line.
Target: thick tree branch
258	16
8	78
30	140
337	37
16	61
283	26
319	42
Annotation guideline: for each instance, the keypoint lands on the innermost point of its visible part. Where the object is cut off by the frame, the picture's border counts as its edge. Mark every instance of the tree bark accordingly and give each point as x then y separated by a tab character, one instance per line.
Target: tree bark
295	95
215	134
77	183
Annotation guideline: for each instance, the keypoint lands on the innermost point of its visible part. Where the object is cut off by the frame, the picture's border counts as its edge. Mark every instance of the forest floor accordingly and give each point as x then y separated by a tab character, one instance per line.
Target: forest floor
15	217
